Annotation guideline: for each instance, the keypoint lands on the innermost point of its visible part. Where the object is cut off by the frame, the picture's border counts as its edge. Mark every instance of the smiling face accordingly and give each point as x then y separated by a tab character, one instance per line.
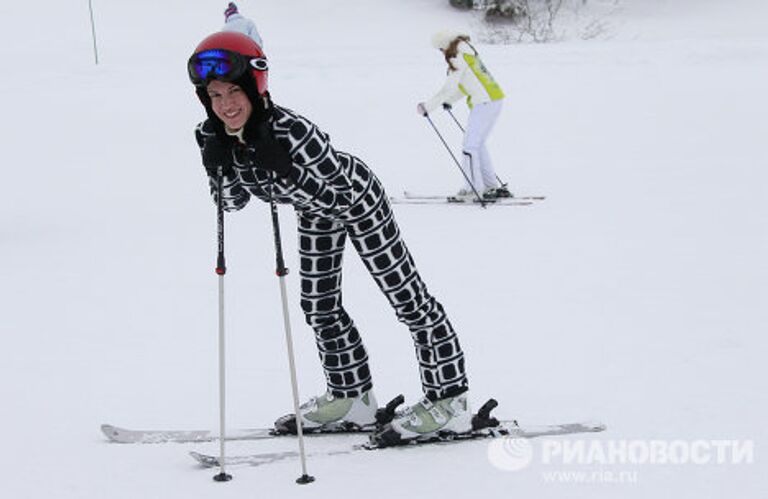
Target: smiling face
230	104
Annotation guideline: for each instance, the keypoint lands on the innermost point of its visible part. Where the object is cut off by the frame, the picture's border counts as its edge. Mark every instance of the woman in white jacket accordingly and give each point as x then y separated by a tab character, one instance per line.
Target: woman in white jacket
235	21
468	77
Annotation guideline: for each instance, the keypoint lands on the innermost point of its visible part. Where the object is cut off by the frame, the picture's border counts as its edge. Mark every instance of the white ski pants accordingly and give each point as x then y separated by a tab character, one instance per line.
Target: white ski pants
477	164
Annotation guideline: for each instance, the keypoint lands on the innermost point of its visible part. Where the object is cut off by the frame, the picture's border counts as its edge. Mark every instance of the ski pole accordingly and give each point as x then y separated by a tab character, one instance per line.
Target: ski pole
479	197
501	182
281	272
221	270
93	34
454	118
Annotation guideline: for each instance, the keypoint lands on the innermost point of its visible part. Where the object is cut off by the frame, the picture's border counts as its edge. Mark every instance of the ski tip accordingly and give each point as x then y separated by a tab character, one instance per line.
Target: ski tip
111	432
589	426
203	460
596	426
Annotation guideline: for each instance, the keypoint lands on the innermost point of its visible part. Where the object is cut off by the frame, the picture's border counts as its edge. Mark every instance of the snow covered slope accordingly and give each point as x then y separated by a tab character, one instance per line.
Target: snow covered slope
634	295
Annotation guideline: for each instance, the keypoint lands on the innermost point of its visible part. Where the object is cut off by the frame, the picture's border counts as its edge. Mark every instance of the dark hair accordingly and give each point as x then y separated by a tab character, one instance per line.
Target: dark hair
452	50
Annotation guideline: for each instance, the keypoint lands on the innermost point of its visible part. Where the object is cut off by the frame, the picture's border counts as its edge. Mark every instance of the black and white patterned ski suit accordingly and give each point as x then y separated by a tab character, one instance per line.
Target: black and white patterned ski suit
336	196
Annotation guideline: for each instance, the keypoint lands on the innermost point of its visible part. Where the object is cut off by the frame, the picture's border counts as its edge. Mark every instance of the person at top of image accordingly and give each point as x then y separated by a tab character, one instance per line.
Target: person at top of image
258	149
235	21
468	77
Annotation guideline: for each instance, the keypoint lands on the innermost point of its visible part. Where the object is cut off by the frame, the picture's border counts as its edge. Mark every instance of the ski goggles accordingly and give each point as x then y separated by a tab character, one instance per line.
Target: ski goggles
220	64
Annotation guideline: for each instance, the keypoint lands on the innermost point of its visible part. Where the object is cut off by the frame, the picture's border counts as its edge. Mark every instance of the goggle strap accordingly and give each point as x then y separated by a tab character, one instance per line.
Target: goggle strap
258	63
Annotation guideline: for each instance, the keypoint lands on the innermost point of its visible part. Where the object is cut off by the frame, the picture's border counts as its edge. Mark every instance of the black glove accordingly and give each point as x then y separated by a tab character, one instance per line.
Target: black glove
216	154
447	106
268	153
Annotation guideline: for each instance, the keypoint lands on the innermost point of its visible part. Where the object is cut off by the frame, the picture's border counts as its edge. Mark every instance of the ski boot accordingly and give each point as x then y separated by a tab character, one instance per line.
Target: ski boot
494	193
329	414
425	421
463	196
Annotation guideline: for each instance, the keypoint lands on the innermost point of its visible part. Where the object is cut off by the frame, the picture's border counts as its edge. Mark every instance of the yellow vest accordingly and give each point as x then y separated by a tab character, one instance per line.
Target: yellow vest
484	76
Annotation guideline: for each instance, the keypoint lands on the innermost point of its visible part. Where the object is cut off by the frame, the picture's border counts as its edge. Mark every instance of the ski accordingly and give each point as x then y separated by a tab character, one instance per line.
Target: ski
412	195
504	429
127	436
120	435
458	201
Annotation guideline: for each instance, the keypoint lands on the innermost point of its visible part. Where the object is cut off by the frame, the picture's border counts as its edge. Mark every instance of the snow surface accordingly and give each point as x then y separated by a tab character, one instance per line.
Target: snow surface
634	295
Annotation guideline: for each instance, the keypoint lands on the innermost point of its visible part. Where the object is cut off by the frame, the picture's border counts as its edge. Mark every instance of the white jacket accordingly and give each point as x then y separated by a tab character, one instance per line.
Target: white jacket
471	79
241	24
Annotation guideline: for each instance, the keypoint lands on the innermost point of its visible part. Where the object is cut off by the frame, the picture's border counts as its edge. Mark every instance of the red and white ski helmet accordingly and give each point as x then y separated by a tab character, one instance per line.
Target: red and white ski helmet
241	57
